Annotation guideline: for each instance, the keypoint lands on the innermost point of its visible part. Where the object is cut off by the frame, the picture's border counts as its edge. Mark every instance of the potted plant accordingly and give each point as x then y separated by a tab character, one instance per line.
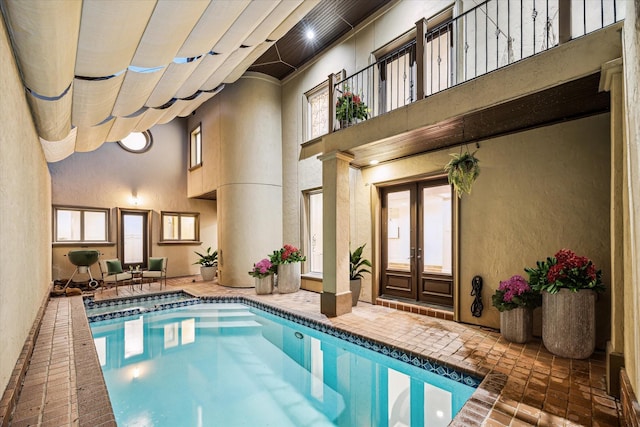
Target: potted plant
208	264
356	270
287	261
569	284
462	171
350	108
263	272
515	300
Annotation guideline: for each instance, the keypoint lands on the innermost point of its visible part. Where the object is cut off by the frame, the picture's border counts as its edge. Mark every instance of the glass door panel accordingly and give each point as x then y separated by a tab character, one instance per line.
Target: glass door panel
437	237
399	230
315	232
134	237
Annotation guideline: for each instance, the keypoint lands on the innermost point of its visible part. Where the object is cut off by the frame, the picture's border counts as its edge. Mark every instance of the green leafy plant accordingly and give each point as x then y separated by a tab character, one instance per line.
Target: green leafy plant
208	259
350	107
462	170
565	270
515	292
358	264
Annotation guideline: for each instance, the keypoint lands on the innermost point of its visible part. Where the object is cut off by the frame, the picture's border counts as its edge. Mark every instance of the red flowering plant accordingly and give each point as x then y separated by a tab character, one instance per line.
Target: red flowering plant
565	270
350	107
262	268
286	255
515	292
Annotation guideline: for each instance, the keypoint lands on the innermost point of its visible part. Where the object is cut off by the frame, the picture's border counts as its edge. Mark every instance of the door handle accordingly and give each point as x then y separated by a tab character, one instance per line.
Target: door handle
419	253
412	253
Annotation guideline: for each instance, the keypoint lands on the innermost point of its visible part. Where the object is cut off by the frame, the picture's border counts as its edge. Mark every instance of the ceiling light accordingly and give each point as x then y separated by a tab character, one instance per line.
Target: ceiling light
374	162
310	34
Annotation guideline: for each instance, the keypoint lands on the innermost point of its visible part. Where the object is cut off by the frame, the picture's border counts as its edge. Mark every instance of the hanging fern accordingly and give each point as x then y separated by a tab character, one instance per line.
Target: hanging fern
462	172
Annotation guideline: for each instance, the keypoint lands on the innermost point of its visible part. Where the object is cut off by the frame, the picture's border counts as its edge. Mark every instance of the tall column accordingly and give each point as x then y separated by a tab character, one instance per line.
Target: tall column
250	191
611	81
631	55
336	295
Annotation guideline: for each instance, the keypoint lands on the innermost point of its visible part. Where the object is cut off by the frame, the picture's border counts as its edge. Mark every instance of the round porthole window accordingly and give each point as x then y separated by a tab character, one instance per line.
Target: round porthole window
137	142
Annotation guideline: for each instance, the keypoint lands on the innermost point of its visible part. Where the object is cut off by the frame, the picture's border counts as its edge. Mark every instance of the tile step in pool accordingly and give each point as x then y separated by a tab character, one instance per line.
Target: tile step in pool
212	315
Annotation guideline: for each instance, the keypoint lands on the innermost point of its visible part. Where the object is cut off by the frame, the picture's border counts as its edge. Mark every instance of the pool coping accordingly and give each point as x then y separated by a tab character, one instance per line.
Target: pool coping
488	384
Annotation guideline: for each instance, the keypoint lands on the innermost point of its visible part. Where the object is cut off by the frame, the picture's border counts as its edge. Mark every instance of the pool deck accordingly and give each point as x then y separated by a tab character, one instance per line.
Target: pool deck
524	384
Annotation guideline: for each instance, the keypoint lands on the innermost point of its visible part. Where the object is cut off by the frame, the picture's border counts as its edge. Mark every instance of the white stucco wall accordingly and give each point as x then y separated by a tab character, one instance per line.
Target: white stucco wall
242	162
25	226
107	178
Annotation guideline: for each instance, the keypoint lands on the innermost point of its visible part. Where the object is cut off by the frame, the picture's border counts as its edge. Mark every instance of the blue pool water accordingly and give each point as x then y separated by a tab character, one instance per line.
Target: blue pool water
226	364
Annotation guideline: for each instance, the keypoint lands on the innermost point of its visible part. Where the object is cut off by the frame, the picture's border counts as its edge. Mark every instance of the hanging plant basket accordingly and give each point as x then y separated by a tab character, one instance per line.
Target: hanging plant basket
462	170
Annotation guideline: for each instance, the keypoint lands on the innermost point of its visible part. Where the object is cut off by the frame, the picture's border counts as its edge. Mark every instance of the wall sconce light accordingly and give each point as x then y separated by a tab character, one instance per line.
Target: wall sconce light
134	199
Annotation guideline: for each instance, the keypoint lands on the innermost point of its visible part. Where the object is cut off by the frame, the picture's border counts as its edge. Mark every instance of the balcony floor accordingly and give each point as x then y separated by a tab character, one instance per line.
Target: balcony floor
62	386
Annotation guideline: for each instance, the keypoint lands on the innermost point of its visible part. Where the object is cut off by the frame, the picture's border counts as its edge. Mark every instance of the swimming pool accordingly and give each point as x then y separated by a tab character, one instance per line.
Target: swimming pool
229	364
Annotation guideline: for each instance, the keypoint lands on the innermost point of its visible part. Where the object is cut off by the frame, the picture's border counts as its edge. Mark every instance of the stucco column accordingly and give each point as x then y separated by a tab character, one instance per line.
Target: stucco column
631	55
250	191
336	295
611	81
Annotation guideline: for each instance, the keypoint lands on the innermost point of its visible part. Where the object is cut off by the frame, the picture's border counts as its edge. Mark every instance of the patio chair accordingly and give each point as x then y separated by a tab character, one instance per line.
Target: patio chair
156	271
112	273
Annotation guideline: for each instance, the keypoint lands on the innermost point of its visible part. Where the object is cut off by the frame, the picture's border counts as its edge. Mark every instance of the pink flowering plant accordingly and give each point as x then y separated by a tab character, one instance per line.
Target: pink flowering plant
565	270
286	255
515	292
262	268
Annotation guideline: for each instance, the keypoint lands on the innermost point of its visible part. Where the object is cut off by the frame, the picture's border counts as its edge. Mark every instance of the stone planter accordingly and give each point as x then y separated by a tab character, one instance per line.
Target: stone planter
264	285
517	325
355	285
569	323
208	273
288	277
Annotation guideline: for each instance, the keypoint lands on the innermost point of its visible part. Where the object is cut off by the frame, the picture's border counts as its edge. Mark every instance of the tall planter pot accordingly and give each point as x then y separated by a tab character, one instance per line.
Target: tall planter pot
355	285
208	273
517	325
288	277
264	285
569	323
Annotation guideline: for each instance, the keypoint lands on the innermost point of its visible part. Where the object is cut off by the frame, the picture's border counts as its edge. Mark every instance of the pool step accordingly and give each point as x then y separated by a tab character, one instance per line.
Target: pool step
229	324
204	318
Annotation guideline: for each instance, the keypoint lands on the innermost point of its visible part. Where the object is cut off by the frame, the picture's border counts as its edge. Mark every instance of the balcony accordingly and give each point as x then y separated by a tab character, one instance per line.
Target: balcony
498	68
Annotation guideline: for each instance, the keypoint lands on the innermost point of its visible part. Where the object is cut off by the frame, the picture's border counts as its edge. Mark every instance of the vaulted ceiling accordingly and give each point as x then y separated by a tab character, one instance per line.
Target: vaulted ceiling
96	70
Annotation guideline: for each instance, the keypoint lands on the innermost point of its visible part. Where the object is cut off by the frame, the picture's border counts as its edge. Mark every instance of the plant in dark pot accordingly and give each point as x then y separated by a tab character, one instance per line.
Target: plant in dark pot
569	284
358	266
462	171
208	264
515	300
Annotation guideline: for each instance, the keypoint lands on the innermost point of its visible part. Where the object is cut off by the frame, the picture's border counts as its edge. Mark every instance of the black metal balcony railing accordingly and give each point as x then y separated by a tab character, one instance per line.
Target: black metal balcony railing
489	36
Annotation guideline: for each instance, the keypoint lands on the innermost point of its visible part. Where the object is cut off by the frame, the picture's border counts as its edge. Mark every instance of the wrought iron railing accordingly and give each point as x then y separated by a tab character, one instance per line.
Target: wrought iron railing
487	37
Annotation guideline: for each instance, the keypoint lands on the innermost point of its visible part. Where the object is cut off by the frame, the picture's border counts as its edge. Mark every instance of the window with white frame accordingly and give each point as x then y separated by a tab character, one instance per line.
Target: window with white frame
179	226
314	200
195	148
80	225
318	111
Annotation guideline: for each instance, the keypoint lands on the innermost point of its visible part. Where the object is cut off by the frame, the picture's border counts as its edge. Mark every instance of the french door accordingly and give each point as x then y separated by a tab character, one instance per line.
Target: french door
417	242
134	237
